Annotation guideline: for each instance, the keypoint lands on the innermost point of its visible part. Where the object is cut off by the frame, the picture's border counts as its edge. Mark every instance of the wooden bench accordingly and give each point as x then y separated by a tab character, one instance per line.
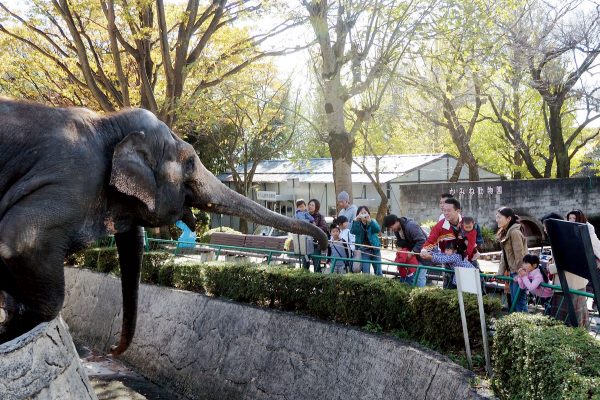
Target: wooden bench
247	241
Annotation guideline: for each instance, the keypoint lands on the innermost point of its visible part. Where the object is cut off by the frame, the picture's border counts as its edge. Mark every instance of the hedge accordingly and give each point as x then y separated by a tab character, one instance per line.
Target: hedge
425	314
536	357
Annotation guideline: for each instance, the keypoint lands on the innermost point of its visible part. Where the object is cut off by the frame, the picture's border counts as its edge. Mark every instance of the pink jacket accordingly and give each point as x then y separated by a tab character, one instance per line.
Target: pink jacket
532	282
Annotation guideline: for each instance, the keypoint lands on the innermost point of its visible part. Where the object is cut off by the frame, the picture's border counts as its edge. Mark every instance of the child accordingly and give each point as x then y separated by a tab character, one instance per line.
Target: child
302	213
403	256
471	234
342	222
338	248
531	276
450	257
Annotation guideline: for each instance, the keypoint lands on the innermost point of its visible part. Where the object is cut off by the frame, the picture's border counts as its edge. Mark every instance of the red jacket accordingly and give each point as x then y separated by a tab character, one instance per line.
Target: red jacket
441	234
471	239
402	258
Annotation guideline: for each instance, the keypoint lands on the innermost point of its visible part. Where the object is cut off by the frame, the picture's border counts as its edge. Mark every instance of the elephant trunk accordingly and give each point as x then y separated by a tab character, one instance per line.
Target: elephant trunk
213	196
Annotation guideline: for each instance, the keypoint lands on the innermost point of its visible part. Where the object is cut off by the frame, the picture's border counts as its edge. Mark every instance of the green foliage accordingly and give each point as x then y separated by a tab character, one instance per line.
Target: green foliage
151	265
102	259
539	358
436	317
224	229
188	277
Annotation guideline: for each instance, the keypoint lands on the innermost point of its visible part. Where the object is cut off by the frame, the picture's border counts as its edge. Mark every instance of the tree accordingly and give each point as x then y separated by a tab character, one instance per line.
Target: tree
561	43
451	72
357	42
140	53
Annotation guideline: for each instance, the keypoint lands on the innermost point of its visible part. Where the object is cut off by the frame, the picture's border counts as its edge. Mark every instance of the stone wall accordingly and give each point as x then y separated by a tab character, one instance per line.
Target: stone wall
530	198
43	364
207	348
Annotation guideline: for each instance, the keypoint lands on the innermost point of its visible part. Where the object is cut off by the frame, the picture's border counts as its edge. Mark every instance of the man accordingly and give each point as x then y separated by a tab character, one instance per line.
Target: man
409	237
346	209
445	231
443	198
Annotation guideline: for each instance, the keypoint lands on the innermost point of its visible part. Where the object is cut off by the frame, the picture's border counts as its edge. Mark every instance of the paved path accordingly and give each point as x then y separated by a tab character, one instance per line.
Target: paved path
113	380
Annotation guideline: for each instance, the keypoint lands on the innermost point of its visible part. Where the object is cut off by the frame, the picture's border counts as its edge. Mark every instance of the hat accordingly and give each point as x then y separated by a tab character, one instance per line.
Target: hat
343	196
389	220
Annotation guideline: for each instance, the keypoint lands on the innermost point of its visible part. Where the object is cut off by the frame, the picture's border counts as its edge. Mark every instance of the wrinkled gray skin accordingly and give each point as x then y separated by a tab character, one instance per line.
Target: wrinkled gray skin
69	177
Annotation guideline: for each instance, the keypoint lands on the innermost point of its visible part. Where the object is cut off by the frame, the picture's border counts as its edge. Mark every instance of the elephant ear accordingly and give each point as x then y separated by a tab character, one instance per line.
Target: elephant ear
132	172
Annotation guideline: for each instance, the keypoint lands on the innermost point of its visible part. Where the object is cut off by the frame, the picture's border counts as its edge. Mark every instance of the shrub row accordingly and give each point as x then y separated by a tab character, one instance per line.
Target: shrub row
539	358
429	315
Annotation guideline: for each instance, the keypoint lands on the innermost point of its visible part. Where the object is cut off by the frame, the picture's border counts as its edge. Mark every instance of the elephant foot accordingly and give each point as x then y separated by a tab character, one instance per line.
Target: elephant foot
8	309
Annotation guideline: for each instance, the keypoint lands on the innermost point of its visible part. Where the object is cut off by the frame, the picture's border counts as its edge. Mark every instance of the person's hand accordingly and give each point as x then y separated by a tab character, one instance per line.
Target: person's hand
522	272
425	255
409	258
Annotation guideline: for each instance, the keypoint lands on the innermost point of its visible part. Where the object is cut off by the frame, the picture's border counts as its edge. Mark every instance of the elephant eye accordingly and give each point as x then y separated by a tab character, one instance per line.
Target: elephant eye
188	167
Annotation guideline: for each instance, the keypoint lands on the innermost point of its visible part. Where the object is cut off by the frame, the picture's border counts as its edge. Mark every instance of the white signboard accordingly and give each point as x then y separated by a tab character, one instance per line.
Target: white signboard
468	280
264	195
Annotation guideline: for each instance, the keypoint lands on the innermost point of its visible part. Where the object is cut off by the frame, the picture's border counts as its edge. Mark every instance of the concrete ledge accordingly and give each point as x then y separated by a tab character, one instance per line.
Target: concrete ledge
43	364
206	348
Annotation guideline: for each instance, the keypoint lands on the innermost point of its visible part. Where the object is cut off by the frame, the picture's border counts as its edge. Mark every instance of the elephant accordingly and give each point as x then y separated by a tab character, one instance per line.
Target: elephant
70	176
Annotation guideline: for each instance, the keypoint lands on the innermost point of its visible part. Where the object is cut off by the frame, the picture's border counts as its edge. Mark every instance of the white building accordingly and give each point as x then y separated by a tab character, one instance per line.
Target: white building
284	181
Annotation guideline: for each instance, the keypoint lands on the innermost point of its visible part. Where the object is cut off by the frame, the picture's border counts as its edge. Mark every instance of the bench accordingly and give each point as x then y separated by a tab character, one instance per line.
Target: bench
247	241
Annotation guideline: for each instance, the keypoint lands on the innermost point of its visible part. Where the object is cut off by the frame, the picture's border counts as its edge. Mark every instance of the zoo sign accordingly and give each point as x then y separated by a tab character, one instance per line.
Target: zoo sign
264	195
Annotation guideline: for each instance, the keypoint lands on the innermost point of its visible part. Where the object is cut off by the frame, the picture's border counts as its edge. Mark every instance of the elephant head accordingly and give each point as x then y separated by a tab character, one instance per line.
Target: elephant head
166	176
163	177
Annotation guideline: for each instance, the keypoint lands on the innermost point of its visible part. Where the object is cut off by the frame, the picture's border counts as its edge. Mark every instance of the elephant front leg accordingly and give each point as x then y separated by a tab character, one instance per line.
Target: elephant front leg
9	310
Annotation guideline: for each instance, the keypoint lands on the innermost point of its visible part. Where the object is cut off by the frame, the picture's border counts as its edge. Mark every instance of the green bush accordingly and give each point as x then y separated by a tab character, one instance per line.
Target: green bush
436	317
151	265
536	357
102	259
188	277
205	238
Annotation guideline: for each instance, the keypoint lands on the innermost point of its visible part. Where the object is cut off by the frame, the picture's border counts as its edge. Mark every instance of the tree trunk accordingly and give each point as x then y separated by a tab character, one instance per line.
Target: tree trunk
563	163
456	172
518	160
339	140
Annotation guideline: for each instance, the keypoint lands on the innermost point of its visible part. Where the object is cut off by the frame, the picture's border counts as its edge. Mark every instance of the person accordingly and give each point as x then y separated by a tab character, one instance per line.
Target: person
471	233
346	209
345	234
530	278
302	213
338	247
409	238
443	198
366	231
514	247
579	216
450	258
314	206
558	307
445	231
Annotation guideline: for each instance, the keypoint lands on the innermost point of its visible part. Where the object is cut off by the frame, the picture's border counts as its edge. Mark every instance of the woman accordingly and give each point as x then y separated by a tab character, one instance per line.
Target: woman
366	233
514	247
319	220
579	216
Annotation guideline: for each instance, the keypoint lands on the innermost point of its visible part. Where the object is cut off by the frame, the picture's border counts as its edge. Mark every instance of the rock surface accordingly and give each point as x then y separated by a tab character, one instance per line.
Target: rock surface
42	365
206	348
